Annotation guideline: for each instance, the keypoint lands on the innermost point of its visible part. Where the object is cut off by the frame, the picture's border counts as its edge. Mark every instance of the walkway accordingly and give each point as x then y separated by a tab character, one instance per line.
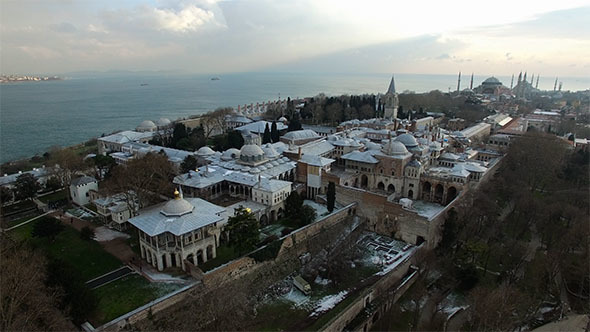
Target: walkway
28	221
109	277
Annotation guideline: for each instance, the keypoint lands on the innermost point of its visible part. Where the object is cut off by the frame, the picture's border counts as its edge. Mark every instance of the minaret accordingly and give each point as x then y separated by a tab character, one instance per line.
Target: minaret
471	84
537	85
532	79
512	82
524	76
519	78
555	85
390	101
459	82
560	85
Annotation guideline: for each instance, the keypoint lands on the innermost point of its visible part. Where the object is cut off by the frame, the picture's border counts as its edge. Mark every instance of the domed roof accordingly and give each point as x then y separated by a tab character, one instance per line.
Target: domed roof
163	122
177	207
407	139
372	146
269	151
394	148
414	163
491	80
146	124
230	154
283	119
205	151
251	150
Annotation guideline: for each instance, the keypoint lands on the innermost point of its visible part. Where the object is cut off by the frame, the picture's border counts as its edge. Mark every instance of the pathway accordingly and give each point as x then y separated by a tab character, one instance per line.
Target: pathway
28	221
109	277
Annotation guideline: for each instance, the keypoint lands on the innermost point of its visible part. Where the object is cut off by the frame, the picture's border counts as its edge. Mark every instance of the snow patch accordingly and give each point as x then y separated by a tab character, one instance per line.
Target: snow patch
328	302
320	209
158	276
321	281
102	234
297	297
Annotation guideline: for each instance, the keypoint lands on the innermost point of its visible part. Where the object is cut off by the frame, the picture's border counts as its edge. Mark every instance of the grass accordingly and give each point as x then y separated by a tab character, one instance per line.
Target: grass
124	295
56	196
224	254
15	222
22	205
88	257
278	316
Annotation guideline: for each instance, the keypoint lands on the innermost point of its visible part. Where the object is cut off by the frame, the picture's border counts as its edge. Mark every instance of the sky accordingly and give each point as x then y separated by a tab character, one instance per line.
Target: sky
498	37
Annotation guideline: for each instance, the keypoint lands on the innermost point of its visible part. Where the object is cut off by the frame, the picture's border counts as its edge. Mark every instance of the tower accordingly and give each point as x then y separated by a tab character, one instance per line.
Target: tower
459	83
512	82
390	101
519	78
532	79
560	85
524	79
555	85
471	84
537	85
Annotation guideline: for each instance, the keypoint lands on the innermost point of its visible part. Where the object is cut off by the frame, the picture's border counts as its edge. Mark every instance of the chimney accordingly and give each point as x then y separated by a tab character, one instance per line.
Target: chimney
299	153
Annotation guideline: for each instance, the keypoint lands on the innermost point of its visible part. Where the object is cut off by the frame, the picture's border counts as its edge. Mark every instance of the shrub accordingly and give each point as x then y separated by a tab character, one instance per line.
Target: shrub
86	233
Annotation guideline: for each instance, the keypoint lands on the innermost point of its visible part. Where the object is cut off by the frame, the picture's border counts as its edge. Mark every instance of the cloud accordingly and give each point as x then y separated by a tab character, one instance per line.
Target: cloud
63	27
443	56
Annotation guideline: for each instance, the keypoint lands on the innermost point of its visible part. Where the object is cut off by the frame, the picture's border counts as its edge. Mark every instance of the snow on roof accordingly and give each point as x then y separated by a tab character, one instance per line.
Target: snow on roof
314	148
272	185
301	134
363	157
316	160
153	222
259	126
83	180
36	172
126	136
470	131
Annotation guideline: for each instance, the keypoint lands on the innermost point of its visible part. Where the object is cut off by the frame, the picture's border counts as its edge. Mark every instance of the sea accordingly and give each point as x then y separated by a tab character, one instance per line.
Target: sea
35	116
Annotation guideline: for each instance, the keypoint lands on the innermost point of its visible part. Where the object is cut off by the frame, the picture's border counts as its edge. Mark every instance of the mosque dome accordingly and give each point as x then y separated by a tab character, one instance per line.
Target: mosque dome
177	207
492	80
163	122
251	150
230	154
269	151
146	125
408	140
205	151
394	148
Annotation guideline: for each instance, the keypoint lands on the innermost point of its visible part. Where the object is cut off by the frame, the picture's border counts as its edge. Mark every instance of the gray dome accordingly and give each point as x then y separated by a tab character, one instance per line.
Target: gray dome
394	148
407	139
205	151
251	150
146	125
163	122
270	152
491	80
230	154
177	207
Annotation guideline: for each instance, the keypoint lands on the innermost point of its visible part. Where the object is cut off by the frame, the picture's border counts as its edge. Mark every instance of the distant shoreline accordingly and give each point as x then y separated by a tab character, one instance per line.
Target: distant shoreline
27	78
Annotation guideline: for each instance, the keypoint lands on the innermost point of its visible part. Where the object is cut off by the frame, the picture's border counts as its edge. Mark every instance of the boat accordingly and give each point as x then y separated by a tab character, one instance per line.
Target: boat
215	78
143	84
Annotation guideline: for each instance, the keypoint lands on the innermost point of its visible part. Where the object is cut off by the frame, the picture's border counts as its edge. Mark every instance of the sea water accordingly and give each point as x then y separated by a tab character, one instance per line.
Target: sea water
35	116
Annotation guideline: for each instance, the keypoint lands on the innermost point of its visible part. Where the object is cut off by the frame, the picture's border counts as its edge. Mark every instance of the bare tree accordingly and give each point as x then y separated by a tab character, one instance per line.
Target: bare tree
142	180
214	122
67	164
27	304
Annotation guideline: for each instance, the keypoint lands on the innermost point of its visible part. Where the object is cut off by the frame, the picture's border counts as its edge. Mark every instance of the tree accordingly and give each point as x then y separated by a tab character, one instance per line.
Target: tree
26	186
47	227
274	132
293	205
67	164
103	165
53	183
179	132
188	164
5	195
307	215
266	138
295	123
86	233
243	230
234	139
27	303
214	122
331	196
142	180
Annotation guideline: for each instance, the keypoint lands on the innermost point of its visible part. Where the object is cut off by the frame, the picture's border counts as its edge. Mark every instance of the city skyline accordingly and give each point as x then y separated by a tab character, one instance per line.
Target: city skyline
233	36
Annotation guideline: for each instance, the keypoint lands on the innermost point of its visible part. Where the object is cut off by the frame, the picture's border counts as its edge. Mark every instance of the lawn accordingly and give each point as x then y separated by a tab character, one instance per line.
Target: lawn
124	295
56	196
22	205
224	254
277	316
15	222
88	257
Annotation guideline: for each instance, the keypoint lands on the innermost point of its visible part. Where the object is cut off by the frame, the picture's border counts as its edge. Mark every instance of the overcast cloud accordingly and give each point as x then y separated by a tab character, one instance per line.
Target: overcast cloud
209	36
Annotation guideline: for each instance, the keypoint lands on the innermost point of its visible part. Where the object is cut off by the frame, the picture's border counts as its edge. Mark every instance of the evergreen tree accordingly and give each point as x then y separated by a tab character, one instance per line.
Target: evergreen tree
26	186
294	124
243	230
47	227
188	164
293	205
306	216
266	138
331	196
274	132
